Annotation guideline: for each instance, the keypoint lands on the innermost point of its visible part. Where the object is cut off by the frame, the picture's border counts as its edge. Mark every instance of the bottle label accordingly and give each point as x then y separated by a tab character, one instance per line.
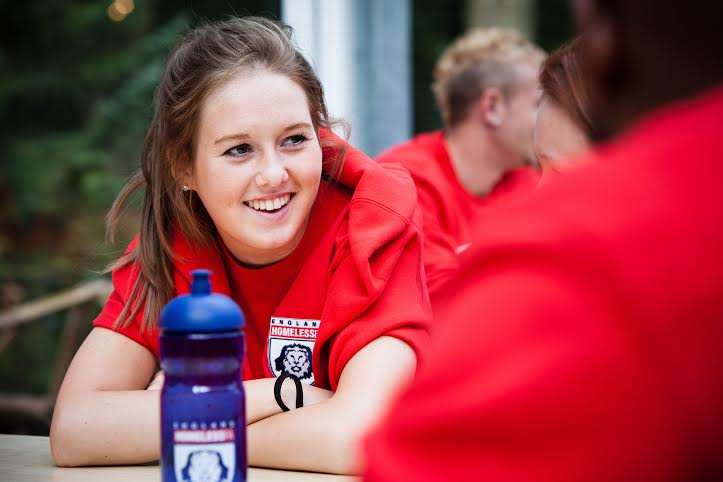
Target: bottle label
204	452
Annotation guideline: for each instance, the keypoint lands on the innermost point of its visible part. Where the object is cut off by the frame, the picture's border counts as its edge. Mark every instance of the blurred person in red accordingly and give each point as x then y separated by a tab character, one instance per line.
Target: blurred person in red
487	91
582	342
564	125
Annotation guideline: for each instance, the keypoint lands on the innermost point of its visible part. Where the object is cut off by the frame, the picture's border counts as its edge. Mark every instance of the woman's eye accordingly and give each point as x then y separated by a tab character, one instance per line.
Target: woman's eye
238	151
295	140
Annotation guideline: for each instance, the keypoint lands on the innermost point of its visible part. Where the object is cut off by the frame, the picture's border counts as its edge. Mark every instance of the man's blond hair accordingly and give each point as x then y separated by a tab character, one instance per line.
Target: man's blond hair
481	59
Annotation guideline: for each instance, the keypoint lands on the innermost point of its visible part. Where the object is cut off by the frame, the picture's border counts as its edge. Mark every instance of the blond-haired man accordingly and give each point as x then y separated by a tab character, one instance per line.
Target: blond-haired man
486	89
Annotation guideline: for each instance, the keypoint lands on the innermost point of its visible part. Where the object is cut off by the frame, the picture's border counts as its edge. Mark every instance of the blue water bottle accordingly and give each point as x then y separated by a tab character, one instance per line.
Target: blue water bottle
203	409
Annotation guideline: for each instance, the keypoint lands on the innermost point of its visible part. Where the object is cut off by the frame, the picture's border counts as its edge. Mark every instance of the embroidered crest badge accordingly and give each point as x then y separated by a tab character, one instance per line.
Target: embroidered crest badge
291	344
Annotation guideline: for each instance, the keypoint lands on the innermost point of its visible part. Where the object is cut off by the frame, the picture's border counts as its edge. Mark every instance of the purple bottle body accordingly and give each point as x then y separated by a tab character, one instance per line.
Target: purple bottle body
203	409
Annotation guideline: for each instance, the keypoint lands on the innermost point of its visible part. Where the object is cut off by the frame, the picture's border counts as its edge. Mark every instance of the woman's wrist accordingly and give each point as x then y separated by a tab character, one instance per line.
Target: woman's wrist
314	395
311	394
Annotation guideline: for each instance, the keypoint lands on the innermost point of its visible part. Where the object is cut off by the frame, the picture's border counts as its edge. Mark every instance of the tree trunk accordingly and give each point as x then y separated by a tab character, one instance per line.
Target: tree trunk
517	14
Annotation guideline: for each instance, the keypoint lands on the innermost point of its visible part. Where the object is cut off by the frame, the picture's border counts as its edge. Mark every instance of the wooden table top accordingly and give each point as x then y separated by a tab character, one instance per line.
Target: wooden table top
27	459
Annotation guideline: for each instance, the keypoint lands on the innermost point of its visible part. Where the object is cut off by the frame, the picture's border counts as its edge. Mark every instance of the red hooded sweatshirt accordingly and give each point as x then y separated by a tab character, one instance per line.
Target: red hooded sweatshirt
448	209
582	341
357	275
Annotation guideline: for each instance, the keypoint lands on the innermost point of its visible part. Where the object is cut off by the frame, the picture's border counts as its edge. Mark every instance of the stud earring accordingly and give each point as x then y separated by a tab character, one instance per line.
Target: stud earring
185	188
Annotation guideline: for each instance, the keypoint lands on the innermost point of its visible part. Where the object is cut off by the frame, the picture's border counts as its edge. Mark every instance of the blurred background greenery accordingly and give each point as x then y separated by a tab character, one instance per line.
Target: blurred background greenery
76	86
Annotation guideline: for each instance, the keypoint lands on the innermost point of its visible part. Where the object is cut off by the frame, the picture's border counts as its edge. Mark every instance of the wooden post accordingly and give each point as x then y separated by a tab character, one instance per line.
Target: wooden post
7	336
66	347
92	290
517	14
37	407
78	301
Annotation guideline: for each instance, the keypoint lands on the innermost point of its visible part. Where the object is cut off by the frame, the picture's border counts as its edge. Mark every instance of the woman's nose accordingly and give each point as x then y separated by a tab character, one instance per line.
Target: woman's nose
272	173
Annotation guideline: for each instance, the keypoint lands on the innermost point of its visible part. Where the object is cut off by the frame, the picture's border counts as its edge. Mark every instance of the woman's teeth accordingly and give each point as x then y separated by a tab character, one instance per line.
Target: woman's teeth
268	204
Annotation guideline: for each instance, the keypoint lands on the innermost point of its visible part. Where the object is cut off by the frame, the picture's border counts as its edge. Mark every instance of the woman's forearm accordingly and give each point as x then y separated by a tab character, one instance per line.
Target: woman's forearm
260	401
123	427
107	428
261	404
318	438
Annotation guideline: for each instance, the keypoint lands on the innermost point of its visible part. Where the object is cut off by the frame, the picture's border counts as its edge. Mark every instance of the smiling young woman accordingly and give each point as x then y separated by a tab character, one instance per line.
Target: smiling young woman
318	244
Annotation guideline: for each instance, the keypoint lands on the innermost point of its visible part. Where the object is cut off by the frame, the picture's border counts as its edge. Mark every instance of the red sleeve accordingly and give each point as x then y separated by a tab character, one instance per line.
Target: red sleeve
377	287
123	279
440	259
533	376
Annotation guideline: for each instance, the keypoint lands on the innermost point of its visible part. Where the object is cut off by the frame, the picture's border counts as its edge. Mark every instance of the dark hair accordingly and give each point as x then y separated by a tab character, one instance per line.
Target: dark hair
564	80
662	51
205	58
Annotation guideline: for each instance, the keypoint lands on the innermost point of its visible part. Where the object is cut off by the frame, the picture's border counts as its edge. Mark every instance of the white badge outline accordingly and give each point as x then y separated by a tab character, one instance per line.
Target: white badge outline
275	344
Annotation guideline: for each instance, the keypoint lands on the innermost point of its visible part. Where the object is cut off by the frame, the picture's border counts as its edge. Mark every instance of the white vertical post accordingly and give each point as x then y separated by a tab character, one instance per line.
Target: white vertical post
389	101
323	34
360	51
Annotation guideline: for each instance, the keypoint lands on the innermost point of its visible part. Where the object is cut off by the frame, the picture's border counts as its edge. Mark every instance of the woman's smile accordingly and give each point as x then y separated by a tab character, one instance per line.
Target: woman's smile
271	207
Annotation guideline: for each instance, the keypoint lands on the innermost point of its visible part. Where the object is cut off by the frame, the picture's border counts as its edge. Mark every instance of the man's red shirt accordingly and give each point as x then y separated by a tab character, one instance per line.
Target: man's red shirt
449	210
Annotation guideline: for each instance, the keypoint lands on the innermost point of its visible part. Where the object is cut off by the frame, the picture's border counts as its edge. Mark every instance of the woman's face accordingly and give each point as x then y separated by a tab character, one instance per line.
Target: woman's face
556	137
257	164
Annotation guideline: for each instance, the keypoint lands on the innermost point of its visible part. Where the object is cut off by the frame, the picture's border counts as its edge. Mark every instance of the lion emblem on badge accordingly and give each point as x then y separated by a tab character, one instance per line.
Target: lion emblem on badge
295	359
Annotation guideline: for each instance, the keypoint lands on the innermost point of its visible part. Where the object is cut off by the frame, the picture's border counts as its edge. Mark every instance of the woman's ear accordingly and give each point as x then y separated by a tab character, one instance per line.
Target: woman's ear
187	182
182	171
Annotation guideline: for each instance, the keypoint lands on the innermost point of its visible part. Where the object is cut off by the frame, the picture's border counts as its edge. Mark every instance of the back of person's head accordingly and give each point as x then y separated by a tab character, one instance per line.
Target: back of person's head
481	59
564	81
564	126
202	61
645	53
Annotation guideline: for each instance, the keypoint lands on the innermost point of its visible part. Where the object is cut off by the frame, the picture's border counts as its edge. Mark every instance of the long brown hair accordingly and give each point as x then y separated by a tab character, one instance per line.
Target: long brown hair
563	79
205	58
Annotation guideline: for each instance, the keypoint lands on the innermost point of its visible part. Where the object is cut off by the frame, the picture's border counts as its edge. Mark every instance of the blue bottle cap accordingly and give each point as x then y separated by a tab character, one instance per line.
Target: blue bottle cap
201	311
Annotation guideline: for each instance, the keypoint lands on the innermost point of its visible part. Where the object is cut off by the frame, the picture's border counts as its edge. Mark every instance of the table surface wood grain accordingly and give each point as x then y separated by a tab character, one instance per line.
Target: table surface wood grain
27	459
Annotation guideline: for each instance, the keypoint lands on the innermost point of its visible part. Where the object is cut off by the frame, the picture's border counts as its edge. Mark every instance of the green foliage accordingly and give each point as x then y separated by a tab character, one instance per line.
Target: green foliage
57	176
553	23
435	25
76	97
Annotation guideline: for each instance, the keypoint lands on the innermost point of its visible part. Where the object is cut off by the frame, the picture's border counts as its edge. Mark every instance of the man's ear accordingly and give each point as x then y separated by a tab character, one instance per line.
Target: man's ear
492	107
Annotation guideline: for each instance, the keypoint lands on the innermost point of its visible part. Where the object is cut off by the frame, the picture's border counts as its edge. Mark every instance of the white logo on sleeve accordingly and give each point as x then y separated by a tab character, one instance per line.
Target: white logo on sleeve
462	248
291	345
